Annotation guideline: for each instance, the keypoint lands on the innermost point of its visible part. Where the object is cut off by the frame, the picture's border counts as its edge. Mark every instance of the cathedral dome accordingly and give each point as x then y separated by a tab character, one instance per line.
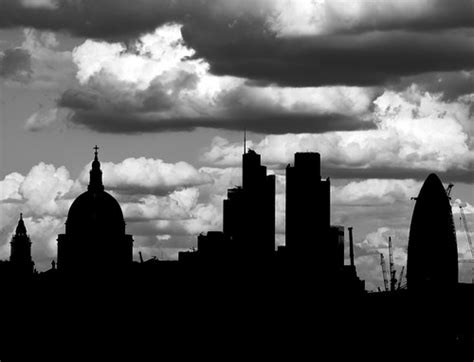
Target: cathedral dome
95	212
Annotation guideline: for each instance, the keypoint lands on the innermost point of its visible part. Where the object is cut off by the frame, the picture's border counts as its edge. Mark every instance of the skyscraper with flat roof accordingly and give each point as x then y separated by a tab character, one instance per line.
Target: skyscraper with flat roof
307	207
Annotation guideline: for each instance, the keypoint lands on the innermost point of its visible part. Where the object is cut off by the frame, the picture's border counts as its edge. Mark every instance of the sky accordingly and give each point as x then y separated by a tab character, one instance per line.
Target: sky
382	89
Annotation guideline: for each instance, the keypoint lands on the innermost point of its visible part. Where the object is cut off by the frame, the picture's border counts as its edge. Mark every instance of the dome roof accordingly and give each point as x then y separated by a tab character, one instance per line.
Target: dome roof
95	212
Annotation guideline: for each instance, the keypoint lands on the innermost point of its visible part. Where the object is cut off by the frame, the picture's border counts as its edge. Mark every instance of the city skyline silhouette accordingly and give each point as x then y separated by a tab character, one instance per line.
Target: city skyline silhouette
223	179
311	264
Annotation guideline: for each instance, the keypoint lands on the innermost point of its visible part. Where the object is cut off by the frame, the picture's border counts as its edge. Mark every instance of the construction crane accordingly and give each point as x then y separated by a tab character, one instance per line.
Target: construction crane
393	279
448	190
468	236
466	229
384	272
400	278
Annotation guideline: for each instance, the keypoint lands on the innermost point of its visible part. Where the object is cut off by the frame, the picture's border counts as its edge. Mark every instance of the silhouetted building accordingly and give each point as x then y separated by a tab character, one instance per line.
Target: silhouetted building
249	211
95	238
213	245
336	240
432	250
21	263
307	208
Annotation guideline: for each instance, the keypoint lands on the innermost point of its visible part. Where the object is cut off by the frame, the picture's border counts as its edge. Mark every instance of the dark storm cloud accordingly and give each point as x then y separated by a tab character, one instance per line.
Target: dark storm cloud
15	64
236	39
353	59
107	19
104	19
450	84
114	122
156	97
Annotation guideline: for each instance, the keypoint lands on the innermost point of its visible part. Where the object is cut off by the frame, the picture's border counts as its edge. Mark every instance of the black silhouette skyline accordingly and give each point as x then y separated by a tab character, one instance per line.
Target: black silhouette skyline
331	233
95	253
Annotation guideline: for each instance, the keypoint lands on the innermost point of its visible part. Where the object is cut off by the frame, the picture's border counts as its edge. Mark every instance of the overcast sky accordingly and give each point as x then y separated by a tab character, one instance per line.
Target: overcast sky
383	89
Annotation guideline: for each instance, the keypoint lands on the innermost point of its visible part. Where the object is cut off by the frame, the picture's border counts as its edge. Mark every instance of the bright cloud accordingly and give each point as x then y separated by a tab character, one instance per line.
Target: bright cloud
10	186
146	175
54	184
414	131
375	192
317	17
157	83
155	55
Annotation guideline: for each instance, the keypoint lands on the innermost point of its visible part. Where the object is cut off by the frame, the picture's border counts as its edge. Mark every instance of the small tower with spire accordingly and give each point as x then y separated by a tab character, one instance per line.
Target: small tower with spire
20	256
95	183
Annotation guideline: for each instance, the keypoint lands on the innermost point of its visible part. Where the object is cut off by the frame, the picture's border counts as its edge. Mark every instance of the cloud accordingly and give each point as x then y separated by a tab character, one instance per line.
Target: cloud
47	118
176	206
292	43
54	183
283	17
15	65
38	63
155	84
155	54
147	176
160	82
40	4
375	192
451	85
10	186
416	133
307	17
334	59
466	206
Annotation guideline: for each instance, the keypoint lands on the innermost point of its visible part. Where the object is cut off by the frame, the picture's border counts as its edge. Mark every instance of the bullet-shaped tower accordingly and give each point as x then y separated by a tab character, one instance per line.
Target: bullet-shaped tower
432	249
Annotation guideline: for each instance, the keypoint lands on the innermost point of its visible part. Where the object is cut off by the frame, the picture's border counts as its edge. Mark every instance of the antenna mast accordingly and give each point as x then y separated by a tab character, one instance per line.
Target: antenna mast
393	279
245	141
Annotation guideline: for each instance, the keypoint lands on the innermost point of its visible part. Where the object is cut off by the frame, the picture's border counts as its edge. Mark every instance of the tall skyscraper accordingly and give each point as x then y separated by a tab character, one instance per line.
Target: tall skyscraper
432	249
20	255
95	238
307	208
249	211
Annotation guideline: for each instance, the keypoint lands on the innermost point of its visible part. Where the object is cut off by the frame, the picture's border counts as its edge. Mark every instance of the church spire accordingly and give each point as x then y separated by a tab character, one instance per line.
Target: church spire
20	254
20	229
95	180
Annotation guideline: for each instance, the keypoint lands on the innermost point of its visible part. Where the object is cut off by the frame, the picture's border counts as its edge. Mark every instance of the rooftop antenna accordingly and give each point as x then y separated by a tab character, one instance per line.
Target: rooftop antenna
245	141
